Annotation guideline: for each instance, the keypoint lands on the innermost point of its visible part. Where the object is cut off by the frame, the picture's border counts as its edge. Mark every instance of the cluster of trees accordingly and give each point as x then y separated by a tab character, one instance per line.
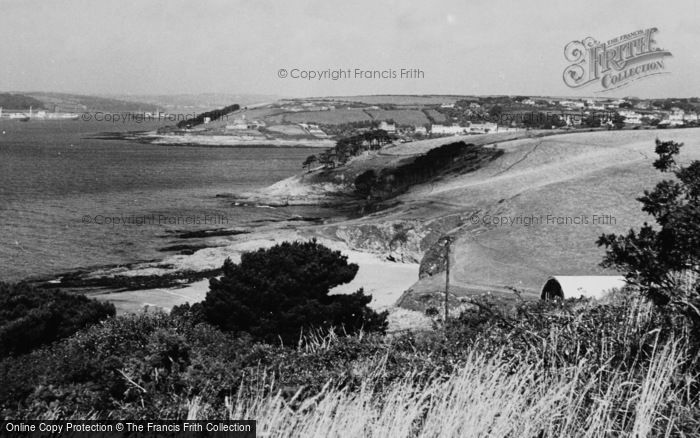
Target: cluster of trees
686	104
31	317
450	157
349	128
212	115
596	120
348	147
372	140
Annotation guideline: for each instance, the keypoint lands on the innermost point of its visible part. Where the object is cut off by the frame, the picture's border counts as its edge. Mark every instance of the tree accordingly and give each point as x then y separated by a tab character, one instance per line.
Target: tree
591	121
212	115
277	293
618	121
365	182
311	159
30	317
495	112
556	121
664	261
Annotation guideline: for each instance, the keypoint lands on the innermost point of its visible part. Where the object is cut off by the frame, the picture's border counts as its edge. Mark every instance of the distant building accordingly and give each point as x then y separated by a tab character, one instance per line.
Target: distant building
500	128
482	128
676	118
448	130
388	127
572	104
631	117
238	125
691	117
420	130
572	119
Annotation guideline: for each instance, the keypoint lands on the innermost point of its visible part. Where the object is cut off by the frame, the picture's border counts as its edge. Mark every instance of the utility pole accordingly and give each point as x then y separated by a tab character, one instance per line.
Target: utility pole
448	241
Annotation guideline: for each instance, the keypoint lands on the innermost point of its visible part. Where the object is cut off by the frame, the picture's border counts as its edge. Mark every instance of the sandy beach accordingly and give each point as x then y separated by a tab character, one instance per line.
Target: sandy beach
384	280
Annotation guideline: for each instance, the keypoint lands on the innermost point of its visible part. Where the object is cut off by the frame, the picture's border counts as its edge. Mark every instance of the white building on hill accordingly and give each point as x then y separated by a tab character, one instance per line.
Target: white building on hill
448	130
482	128
388	127
631	117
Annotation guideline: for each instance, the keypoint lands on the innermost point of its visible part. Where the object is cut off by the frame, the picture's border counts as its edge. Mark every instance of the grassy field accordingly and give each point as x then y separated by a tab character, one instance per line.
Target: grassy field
567	182
402	117
326	117
435	115
401	99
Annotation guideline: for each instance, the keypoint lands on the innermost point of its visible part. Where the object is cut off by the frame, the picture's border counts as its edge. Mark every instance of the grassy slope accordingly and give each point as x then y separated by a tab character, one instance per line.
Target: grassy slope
78	103
570	175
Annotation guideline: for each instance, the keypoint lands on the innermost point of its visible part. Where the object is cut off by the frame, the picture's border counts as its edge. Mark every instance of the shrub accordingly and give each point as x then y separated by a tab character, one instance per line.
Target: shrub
30	317
663	261
275	293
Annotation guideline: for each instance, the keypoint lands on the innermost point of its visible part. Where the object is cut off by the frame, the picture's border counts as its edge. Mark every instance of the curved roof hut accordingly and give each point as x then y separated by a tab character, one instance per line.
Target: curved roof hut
587	286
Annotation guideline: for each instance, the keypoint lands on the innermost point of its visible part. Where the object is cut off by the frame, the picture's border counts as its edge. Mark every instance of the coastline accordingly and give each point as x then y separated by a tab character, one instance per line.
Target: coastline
183	274
212	140
384	280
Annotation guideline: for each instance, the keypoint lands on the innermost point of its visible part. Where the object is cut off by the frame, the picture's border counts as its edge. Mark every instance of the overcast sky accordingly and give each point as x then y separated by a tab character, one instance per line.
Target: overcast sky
463	47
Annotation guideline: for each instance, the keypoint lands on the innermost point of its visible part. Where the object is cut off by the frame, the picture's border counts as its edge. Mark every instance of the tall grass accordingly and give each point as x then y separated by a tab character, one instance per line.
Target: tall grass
575	369
488	395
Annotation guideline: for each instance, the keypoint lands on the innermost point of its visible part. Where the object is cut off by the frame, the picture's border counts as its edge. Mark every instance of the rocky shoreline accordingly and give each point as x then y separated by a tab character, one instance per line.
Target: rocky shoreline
212	140
390	250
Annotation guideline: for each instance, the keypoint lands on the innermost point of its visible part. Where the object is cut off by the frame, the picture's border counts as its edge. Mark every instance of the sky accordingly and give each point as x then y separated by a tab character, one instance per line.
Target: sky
462	47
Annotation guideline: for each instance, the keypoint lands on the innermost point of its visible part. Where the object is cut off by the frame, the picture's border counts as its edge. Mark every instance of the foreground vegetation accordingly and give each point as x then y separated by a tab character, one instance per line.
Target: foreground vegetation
271	343
541	369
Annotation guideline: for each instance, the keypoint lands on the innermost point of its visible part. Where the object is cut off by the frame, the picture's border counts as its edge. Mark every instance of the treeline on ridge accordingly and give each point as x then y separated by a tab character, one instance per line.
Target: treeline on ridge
19	101
212	115
453	157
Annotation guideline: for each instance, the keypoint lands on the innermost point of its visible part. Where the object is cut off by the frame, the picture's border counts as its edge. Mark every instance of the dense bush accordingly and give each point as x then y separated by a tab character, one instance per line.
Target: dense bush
274	294
150	365
31	317
663	261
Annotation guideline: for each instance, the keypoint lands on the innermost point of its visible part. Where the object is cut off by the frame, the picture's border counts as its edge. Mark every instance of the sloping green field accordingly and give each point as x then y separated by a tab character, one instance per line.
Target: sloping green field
538	209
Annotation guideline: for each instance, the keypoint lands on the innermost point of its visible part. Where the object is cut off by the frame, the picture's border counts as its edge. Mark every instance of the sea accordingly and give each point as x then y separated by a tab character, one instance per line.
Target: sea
71	201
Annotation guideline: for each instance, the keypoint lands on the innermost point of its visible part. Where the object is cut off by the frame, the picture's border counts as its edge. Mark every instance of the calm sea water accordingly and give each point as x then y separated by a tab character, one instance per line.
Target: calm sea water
55	184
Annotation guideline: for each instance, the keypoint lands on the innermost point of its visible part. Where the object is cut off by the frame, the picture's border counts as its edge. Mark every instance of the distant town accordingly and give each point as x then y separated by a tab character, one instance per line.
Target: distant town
475	115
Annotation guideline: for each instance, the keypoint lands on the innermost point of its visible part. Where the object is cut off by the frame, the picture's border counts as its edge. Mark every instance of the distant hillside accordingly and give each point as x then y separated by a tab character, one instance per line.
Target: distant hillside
13	101
81	103
538	209
196	102
535	210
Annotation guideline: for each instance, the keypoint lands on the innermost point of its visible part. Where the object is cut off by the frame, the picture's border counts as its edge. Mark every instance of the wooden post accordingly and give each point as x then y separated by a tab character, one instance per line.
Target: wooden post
448	241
